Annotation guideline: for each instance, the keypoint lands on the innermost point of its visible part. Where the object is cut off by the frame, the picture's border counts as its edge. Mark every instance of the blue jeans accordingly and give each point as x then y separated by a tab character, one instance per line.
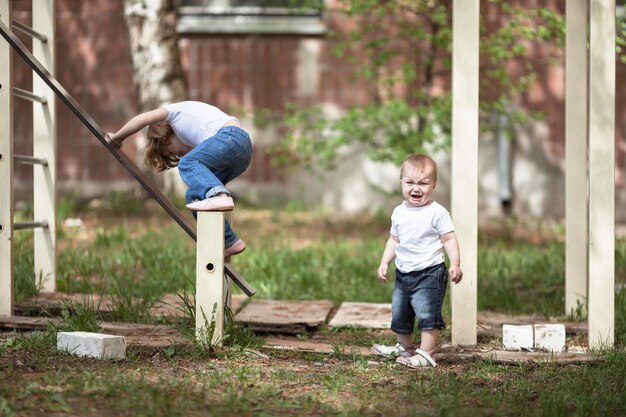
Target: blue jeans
419	294
208	167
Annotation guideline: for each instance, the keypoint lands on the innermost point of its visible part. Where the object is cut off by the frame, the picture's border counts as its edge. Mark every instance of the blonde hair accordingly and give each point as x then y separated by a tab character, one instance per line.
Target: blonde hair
158	137
420	162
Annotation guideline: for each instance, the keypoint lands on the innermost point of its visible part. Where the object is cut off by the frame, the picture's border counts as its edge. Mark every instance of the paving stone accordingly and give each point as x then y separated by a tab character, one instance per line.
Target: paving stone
284	316
366	315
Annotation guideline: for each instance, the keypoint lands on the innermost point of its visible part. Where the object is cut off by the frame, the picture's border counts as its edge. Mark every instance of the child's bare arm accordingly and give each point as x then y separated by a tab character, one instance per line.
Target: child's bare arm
135	124
388	254
451	247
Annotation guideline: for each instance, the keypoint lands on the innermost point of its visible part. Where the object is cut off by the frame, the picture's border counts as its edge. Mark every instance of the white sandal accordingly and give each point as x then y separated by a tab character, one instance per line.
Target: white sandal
397	350
421	359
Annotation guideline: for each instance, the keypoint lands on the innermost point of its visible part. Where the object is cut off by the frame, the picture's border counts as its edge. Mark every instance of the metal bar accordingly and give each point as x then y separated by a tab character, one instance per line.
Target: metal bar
23	159
29	225
97	131
27	95
28	30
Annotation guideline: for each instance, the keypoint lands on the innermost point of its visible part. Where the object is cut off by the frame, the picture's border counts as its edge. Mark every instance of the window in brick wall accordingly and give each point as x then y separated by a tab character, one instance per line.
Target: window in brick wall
251	16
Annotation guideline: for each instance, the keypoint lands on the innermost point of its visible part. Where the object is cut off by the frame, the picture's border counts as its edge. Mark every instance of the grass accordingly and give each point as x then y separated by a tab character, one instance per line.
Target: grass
285	384
138	255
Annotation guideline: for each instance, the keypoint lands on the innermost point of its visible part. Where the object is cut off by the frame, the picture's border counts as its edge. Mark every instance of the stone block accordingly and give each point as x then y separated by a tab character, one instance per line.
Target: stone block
550	337
92	345
517	337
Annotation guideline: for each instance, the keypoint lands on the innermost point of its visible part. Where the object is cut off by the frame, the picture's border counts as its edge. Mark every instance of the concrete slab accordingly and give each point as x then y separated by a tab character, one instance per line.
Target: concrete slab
365	315
518	337
92	345
284	316
550	337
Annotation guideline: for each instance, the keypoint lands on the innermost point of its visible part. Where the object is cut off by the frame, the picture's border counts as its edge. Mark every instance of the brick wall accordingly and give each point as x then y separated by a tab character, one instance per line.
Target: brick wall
234	72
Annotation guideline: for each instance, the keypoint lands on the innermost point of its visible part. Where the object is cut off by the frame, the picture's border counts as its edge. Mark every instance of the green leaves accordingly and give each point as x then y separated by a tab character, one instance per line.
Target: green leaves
401	52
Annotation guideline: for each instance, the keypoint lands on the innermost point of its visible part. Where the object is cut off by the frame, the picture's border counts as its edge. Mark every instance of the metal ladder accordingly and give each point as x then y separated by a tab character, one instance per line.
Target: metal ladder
211	266
43	159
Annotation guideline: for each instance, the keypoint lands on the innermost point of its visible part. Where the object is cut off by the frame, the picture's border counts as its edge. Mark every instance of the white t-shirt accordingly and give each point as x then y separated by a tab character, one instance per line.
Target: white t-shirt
194	121
419	230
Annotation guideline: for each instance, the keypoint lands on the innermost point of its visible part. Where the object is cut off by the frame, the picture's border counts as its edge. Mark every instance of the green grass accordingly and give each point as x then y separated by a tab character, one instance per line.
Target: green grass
517	273
287	384
291	255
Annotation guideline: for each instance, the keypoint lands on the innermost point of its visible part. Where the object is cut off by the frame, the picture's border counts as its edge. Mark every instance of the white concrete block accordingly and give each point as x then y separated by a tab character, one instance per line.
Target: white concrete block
550	337
517	337
92	345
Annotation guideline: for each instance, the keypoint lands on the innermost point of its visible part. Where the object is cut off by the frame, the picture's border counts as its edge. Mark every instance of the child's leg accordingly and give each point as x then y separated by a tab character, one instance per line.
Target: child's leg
405	340
429	340
212	164
427	302
402	313
215	162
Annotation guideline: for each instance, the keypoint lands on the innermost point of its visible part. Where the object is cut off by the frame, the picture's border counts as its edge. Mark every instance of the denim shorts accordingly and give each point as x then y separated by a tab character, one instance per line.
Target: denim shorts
419	294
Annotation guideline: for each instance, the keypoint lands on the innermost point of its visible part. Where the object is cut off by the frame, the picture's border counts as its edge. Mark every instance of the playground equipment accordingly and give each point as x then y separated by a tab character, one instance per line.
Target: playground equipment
590	165
210	296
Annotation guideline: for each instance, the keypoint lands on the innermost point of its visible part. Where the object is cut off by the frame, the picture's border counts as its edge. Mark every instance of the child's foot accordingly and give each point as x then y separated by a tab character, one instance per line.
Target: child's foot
421	359
220	202
238	247
397	350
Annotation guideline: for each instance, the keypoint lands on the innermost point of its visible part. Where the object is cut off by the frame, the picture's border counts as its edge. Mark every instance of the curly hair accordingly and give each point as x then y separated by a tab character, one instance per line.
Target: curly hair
158	137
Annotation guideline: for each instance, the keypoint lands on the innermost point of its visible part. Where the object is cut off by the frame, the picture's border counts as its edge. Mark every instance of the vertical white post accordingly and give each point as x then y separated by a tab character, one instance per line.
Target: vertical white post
465	16
210	275
576	112
44	146
602	174
6	169
228	293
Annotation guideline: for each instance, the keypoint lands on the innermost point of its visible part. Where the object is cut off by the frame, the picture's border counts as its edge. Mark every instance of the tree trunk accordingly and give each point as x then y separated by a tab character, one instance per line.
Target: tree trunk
158	73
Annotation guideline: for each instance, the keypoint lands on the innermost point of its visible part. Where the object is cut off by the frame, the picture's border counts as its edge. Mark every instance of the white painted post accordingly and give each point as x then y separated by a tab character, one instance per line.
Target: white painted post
44	146
602	174
576	111
465	54
228	288
210	275
6	169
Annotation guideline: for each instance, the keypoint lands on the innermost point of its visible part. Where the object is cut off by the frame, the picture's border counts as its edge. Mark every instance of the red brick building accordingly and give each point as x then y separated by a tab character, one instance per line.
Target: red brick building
255	67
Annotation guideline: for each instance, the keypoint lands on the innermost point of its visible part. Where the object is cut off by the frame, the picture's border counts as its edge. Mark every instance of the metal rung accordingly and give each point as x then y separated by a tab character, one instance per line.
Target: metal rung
30	225
30	160
28	30
27	95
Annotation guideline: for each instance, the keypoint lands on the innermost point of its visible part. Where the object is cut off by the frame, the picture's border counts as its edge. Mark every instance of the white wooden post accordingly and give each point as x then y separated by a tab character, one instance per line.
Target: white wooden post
6	169
210	275
602	174
576	111
465	54
228	287
44	146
